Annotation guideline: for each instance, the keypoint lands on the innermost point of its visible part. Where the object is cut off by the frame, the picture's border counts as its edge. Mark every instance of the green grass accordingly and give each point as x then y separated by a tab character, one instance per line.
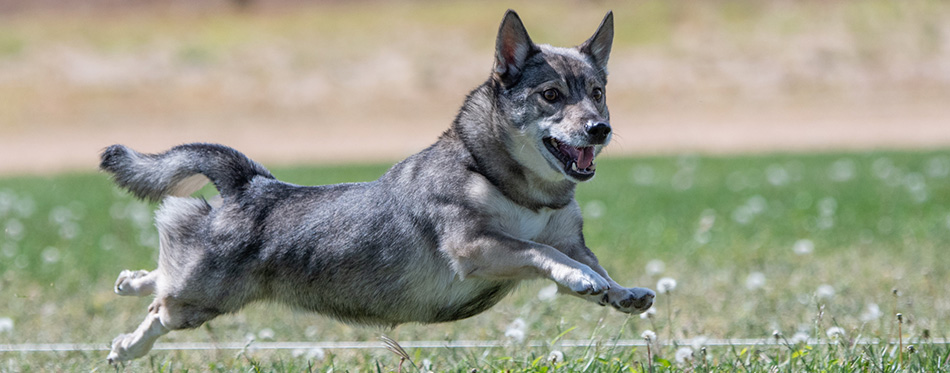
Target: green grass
875	222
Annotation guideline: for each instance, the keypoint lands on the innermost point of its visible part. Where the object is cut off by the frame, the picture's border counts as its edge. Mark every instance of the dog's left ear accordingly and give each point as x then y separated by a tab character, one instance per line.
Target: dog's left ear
598	46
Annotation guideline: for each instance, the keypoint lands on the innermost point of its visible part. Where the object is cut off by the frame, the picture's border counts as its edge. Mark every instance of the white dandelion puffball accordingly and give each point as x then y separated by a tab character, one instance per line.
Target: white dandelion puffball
6	325
755	281
655	267
684	354
698	342
649	335
666	285
799	337
516	335
871	313
556	356
648	313
548	293
266	334
803	247
825	292
835	332
515	330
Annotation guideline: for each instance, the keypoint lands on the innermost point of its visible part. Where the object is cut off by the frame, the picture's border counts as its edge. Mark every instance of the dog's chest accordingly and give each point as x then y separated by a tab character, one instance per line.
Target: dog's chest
509	217
521	222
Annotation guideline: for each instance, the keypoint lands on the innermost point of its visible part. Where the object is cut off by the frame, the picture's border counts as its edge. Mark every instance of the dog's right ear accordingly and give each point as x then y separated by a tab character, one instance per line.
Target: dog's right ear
512	49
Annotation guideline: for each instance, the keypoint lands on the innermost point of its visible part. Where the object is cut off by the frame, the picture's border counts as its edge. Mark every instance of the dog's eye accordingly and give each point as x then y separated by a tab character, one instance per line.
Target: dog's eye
550	94
597	94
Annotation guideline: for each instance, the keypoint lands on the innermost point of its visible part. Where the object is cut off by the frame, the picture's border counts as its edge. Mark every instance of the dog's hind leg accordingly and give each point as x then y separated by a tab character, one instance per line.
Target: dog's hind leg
164	315
137	283
136	344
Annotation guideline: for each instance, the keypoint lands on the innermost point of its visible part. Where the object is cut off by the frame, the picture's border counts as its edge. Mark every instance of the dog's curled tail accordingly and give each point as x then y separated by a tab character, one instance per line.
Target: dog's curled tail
180	171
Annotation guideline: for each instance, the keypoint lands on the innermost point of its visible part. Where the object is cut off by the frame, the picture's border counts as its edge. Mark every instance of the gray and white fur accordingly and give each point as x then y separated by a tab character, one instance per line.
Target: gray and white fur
443	235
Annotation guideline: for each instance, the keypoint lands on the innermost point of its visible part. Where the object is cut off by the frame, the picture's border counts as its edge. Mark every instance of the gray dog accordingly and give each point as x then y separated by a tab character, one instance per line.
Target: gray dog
442	236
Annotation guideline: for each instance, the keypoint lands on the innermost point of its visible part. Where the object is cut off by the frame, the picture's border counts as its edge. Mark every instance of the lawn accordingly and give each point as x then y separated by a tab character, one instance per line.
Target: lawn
805	254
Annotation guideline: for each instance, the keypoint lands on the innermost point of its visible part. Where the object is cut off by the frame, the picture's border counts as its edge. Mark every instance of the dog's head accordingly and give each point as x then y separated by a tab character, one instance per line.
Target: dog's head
554	100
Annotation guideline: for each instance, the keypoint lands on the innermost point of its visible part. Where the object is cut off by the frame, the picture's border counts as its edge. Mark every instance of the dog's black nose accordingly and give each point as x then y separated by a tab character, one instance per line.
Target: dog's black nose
598	131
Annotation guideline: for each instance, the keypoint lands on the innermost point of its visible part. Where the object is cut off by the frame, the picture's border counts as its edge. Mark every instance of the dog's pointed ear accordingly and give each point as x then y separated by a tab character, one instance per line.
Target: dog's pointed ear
598	46
512	48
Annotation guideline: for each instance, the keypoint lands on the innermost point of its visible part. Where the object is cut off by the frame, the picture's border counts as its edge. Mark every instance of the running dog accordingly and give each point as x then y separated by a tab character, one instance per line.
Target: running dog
443	235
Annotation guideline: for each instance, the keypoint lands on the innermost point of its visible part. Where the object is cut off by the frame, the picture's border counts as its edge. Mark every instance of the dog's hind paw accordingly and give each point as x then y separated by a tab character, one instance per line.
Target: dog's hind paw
120	350
131	283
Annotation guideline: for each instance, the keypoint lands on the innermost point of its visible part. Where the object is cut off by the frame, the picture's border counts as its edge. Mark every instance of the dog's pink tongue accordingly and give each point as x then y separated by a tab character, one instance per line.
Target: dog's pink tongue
585	157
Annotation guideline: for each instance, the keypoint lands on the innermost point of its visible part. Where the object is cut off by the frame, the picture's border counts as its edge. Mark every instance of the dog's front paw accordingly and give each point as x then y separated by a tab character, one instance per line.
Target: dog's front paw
632	300
584	281
123	284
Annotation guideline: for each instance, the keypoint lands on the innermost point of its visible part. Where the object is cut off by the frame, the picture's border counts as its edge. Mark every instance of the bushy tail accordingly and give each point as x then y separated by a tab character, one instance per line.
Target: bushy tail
180	171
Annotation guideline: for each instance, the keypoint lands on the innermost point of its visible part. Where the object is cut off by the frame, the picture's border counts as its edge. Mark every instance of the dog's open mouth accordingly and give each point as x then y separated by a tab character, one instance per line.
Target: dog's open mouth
578	162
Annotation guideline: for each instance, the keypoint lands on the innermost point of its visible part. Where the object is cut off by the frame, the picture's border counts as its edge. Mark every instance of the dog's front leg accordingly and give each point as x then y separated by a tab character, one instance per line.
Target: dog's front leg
502	257
627	300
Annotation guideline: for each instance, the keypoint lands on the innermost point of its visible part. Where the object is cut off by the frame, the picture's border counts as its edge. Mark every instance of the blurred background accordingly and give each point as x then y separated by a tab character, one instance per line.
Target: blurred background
293	82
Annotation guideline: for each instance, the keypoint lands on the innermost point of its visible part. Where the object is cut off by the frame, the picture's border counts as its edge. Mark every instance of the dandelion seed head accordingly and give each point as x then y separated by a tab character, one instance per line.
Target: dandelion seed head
648	335
871	312
516	330
827	206
648	314
516	335
315	353
803	247
556	356
684	355
656	266
6	325
699	343
14	229
755	281
51	255
266	334
799	337
666	285
825	292
835	332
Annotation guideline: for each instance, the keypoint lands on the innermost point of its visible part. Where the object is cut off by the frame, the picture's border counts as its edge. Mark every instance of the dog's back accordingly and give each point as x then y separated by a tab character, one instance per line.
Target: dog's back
269	240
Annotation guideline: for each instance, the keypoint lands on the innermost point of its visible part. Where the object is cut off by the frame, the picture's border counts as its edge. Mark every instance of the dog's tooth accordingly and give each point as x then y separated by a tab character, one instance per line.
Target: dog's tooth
574	166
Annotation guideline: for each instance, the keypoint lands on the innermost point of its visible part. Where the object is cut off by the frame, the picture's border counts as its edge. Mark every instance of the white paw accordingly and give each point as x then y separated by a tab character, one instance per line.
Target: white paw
584	281
124	286
632	300
123	349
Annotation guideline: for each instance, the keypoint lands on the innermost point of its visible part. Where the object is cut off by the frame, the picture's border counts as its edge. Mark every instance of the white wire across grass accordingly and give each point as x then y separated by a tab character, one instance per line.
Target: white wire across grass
762	342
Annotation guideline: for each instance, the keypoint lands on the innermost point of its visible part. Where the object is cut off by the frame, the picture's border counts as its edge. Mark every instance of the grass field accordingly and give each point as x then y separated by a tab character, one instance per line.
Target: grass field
798	244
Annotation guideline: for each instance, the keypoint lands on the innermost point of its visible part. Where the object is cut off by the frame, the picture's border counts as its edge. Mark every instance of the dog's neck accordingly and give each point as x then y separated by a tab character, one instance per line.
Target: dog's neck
479	118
